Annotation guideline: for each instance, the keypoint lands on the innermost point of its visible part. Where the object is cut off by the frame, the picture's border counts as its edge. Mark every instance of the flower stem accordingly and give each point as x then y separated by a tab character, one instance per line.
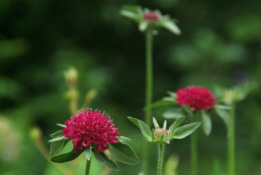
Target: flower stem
231	143
88	165
160	158
149	85
194	153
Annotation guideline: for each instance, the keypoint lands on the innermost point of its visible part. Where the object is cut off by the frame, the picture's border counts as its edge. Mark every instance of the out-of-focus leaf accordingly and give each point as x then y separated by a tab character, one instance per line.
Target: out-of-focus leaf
206	122
57	134
88	153
224	115
58	139
171	26
172	114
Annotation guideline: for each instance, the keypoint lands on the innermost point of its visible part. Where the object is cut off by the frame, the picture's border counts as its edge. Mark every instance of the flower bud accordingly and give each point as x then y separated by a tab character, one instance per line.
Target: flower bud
160	132
71	76
35	133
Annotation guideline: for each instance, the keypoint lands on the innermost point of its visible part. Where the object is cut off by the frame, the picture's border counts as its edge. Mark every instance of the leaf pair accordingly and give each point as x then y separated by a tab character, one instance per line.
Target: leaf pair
136	13
120	151
174	131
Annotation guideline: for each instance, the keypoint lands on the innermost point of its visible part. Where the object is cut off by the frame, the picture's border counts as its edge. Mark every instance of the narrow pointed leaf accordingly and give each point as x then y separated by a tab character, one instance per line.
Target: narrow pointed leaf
172	114
224	115
222	107
145	130
132	12
165	124
156	125
172	94
57	134
58	139
176	124
188	110
123	139
104	160
65	157
143	26
88	153
61	125
123	153
171	26
185	130
206	123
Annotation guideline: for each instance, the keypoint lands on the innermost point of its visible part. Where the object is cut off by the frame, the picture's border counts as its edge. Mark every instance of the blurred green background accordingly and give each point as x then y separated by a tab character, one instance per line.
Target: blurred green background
220	45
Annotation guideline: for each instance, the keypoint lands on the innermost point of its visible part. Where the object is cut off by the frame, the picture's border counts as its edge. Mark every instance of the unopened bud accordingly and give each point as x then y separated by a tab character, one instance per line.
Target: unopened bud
71	76
35	133
160	132
229	97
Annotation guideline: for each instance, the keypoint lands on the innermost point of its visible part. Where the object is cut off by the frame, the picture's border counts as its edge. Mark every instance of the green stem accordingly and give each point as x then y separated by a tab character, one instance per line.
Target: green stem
88	165
160	158
231	143
194	153
149	85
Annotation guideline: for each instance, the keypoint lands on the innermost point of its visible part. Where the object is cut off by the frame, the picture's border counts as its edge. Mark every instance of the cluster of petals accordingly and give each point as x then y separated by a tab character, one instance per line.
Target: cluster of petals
91	127
196	98
150	16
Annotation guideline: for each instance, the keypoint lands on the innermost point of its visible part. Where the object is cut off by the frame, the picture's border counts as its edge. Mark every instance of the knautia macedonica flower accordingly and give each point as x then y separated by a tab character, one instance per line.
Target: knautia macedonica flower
196	98
90	127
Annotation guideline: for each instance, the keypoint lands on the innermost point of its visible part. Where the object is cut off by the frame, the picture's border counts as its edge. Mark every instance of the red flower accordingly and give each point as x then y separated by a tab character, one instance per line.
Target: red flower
90	127
196	97
150	16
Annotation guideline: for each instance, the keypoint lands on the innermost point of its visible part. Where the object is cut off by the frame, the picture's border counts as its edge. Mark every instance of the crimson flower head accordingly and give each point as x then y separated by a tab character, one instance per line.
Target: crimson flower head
196	98
150	16
90	127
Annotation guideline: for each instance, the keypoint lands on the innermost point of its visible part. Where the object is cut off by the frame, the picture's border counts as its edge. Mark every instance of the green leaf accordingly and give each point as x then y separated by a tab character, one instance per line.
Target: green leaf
188	110
57	147
57	134
224	115
171	26
165	124
61	125
185	130
222	107
58	139
206	123
156	125
176	124
88	153
172	114
145	130
65	157
123	139
173	95
104	160
123	153
143	26
132	12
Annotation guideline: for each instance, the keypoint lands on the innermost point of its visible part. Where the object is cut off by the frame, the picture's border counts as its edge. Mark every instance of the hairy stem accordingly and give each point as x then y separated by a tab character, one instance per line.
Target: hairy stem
194	153
88	165
160	158
149	87
231	143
